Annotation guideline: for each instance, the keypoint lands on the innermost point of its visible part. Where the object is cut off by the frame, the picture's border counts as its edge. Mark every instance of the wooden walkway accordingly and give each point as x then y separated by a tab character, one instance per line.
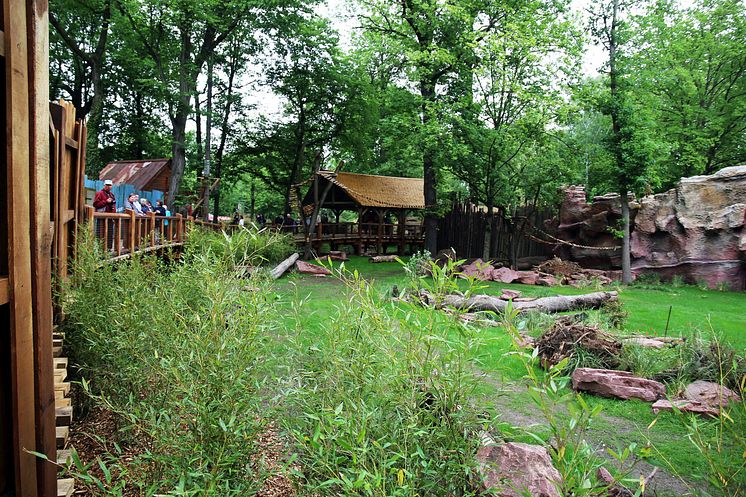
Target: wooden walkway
124	234
362	236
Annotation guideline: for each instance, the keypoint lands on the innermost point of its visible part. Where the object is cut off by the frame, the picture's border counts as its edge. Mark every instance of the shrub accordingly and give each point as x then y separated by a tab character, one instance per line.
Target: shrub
176	353
243	247
379	402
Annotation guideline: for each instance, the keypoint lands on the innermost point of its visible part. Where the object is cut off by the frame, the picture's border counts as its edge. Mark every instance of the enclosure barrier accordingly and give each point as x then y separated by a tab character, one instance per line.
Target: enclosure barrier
126	233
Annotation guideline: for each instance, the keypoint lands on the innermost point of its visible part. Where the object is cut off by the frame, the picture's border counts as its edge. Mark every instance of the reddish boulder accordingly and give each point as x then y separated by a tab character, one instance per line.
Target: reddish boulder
617	384
504	275
710	394
308	268
509	294
685	406
478	269
528	277
518	469
337	255
546	280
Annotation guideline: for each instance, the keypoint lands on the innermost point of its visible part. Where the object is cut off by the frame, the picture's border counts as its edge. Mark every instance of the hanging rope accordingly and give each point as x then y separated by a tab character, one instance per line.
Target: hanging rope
558	241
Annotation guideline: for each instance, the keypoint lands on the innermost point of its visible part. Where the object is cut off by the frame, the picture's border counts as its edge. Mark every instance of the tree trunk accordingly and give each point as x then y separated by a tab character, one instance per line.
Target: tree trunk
560	303
490	225
427	91
178	153
283	266
626	228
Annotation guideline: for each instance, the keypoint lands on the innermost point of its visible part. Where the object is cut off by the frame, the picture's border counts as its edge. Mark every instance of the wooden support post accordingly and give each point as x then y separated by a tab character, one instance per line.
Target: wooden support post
402	230
133	231
89	210
118	237
179	228
151	228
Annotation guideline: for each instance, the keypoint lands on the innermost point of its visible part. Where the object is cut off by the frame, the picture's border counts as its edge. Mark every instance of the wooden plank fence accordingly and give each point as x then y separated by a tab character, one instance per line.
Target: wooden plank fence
464	229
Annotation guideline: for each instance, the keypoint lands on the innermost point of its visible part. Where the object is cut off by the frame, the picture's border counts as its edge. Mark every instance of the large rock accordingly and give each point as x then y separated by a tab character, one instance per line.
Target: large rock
518	469
617	384
695	230
587	224
308	268
689	406
504	275
528	277
710	394
478	269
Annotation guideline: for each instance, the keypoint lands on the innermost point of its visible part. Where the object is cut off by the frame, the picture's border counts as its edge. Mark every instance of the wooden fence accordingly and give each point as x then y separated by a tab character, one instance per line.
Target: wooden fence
27	395
124	234
464	229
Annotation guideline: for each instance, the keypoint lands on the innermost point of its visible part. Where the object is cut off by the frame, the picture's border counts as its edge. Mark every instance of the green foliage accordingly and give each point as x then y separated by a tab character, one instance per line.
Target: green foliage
245	246
380	399
174	353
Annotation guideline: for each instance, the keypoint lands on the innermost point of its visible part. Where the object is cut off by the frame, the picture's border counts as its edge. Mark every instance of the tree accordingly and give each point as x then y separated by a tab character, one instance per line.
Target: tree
516	94
630	141
436	38
79	48
690	67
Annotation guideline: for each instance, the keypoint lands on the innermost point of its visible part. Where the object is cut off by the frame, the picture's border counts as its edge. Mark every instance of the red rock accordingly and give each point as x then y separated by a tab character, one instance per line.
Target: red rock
518	469
710	394
337	255
308	268
546	280
478	269
685	406
504	275
528	277
508	294
617	384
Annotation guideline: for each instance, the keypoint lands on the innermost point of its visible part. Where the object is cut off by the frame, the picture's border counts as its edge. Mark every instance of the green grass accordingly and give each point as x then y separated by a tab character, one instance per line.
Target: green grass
694	311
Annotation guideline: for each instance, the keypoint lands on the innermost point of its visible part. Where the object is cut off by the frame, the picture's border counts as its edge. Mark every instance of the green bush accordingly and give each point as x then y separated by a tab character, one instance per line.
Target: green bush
243	247
176	352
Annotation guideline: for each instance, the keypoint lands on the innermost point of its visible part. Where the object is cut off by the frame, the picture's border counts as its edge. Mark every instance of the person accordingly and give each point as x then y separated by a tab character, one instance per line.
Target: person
241	222
133	204
260	220
146	206
105	201
160	209
279	221
289	223
236	218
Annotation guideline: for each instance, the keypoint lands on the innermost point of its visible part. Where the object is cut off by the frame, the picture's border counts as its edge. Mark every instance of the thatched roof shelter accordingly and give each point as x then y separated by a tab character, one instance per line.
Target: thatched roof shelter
351	191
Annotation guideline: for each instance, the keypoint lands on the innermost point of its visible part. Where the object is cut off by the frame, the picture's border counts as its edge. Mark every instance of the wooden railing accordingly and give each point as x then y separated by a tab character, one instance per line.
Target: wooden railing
123	234
366	231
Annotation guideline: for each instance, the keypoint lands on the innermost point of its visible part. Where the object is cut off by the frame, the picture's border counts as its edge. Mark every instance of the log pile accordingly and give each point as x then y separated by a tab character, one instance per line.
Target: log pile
559	303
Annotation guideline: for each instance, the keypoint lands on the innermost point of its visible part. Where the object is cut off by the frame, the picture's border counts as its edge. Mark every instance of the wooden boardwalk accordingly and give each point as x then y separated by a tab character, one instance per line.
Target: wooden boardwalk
362	237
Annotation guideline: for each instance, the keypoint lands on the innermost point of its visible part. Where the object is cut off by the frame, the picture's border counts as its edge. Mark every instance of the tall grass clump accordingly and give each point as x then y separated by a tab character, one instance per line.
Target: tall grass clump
378	402
175	352
245	246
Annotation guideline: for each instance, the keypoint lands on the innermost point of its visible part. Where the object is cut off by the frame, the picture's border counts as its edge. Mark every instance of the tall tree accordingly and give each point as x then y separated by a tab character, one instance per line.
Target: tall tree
690	66
79	41
630	140
436	37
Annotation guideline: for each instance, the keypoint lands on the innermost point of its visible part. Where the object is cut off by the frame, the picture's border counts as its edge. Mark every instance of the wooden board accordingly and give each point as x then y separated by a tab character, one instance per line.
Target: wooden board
62	433
65	487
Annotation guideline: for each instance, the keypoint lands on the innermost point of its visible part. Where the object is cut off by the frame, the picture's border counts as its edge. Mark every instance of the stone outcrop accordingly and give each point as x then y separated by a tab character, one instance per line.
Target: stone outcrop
689	406
308	268
710	394
583	223
518	469
617	384
695	230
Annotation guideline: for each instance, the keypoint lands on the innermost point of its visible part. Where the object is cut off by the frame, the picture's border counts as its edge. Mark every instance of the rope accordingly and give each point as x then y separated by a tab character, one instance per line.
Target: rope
564	242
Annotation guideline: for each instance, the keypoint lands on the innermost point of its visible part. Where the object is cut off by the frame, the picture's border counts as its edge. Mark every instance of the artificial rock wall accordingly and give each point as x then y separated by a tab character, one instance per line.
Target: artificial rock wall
696	230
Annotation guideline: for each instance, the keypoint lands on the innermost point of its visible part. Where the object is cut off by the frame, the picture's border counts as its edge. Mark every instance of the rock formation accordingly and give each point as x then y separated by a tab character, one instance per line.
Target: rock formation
617	384
516	469
695	230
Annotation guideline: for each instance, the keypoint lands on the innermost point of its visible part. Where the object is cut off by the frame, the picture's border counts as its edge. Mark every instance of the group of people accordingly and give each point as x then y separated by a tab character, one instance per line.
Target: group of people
105	201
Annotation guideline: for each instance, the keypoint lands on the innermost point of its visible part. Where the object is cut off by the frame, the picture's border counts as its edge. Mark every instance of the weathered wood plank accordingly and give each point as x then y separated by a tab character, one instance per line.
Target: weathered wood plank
64	415
65	487
4	296
22	353
62	433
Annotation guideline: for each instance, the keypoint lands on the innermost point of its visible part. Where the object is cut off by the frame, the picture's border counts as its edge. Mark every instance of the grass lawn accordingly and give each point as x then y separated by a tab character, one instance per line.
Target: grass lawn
693	311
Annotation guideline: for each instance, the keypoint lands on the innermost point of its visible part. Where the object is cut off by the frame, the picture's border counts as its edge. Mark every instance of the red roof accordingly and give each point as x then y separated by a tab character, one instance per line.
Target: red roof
148	174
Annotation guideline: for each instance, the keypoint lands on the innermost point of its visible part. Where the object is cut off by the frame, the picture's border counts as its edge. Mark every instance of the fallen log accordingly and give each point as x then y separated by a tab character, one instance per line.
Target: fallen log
283	266
383	258
559	303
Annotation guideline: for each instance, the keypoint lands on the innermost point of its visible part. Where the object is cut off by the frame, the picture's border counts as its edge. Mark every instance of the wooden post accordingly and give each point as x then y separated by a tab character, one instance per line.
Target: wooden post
89	211
133	230
179	228
18	162
402	230
151	222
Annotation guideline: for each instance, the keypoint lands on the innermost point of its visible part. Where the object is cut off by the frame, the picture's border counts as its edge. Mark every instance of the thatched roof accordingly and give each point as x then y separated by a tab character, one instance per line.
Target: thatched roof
149	174
368	190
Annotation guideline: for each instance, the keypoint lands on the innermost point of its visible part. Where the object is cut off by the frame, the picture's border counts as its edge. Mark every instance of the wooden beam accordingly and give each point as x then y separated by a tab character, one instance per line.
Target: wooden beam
2	43
4	290
22	353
